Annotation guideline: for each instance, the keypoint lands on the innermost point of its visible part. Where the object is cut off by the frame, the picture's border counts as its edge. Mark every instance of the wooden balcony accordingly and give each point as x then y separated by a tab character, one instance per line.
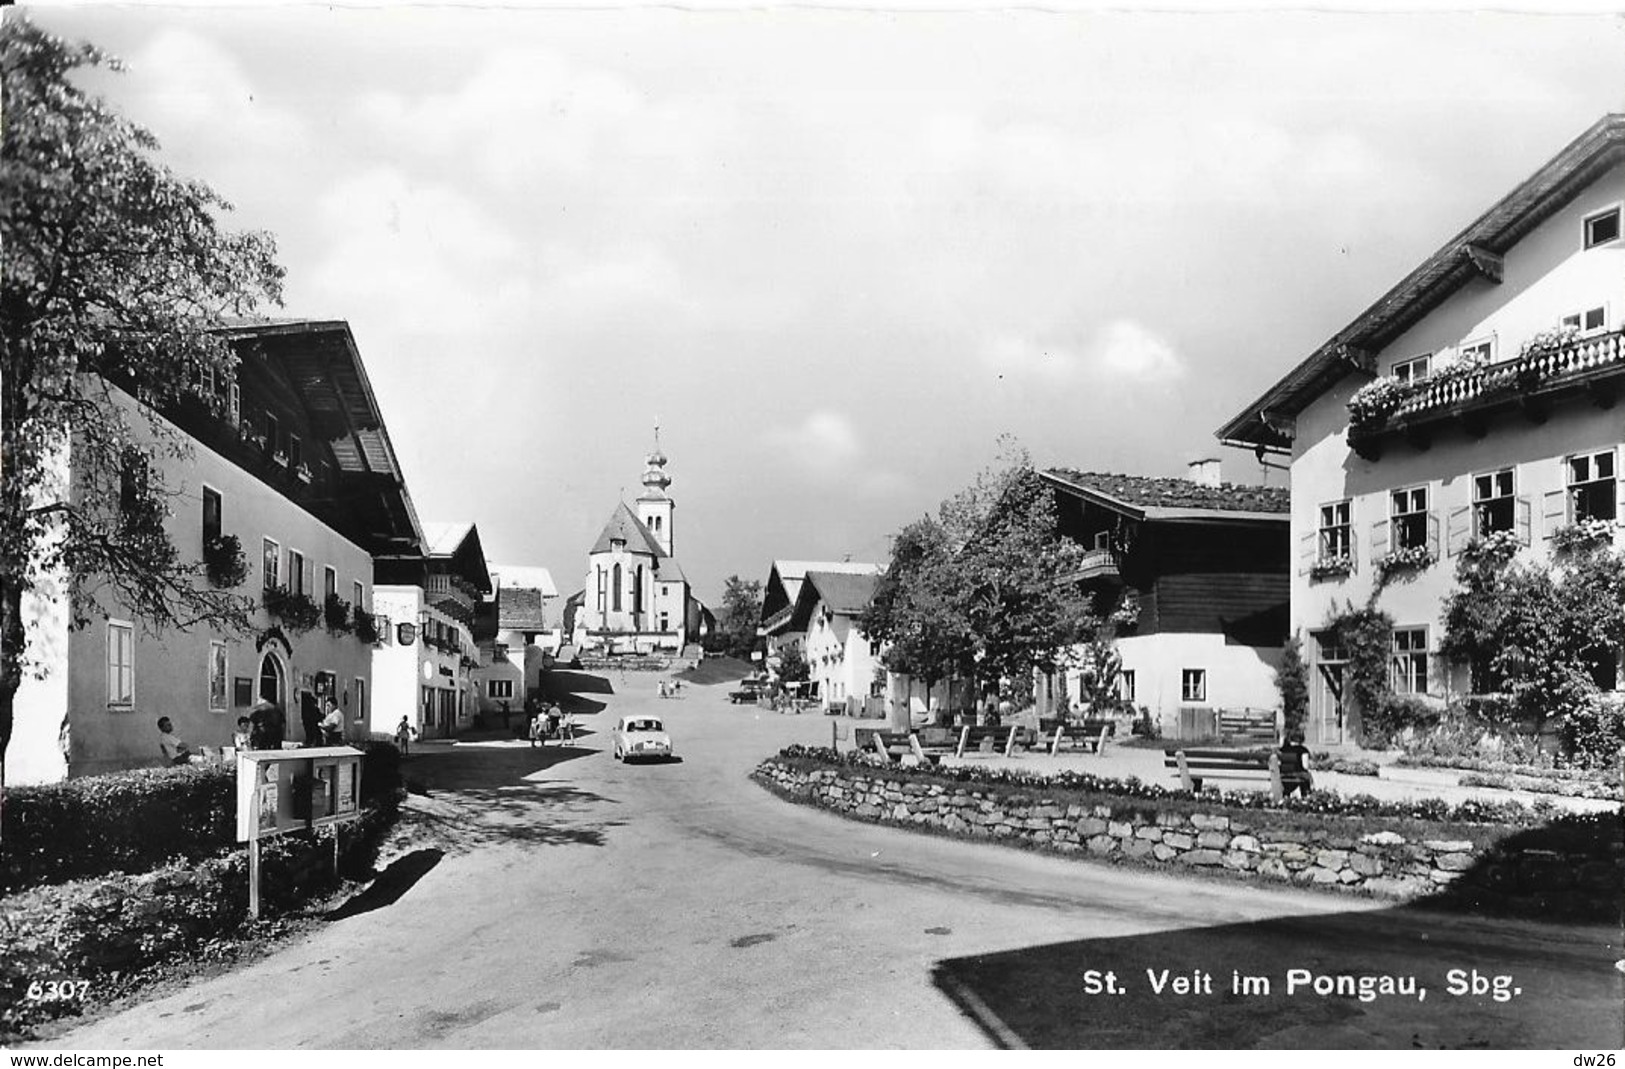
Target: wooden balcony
1095	564
450	595
1591	368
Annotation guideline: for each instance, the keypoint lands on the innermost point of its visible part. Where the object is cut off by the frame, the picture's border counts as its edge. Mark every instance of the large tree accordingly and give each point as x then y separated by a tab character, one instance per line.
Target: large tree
114	272
735	632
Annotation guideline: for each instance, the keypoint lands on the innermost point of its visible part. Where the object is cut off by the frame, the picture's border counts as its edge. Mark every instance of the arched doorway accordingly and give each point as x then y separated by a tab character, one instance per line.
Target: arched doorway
273	682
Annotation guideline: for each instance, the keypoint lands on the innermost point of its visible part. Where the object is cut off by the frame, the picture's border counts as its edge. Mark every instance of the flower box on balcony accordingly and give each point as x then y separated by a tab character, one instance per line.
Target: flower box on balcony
279	459
302	473
1584	535
336	612
224	561
298	611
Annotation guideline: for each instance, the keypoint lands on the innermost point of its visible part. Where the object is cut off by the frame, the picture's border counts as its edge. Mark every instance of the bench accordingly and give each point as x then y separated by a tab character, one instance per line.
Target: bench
1194	766
895	745
1251	725
972	738
1091	735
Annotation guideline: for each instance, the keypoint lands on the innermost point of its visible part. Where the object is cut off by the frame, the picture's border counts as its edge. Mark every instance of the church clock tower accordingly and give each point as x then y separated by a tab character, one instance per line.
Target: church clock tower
655	506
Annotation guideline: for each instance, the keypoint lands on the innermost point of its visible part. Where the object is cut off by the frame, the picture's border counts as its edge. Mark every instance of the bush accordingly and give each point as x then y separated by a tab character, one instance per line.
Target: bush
1292	681
1322	803
119	822
1593	733
1545	785
1393	714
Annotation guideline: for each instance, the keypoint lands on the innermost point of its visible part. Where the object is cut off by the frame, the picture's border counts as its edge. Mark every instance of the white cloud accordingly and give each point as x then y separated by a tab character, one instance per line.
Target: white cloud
1126	349
825	444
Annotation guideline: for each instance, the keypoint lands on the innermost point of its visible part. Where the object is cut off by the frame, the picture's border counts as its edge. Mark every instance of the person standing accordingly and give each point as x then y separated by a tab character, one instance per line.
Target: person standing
403	736
332	724
241	739
310	718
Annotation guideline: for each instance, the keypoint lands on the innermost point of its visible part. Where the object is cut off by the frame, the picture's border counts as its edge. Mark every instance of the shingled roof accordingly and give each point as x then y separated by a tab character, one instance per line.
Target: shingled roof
841	592
1150	497
625	527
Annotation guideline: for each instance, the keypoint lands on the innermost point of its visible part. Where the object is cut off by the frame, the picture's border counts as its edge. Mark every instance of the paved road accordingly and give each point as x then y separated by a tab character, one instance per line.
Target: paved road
555	898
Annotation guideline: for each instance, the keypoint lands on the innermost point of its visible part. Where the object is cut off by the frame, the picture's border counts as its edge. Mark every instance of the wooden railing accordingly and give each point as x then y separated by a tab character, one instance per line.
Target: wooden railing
1536	370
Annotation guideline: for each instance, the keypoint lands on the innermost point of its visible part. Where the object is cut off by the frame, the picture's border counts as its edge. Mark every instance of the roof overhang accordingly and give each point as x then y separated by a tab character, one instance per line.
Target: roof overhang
1474	253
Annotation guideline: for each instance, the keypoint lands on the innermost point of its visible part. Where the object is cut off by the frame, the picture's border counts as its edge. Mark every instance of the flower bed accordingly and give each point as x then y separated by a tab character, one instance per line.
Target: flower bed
1544	785
1502	855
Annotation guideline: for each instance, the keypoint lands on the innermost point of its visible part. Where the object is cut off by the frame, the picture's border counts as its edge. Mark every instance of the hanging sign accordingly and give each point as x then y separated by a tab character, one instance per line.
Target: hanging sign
406	634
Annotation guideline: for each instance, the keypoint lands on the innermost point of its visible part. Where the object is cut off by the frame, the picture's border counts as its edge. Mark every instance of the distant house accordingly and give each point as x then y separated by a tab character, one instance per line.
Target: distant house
426	670
291	459
841	659
1477	397
784	582
520	630
1202	567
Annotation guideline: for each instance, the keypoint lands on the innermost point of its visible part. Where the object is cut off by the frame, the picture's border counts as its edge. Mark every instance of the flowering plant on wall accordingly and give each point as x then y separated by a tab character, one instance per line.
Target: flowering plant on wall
1582	535
1403	562
1545	342
1373	403
1332	568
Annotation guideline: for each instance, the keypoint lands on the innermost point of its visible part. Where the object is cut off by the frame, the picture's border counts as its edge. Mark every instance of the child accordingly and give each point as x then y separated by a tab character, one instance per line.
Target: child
403	736
239	738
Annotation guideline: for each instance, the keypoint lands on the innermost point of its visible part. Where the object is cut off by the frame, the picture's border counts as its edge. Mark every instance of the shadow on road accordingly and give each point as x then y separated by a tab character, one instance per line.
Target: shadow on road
389	885
1562	991
566	689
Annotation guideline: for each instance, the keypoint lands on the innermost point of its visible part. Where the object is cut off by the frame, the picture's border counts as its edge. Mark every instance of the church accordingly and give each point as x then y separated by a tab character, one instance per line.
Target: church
636	598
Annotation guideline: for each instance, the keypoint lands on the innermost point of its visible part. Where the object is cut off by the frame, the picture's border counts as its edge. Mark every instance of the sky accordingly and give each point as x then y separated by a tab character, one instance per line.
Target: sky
835	253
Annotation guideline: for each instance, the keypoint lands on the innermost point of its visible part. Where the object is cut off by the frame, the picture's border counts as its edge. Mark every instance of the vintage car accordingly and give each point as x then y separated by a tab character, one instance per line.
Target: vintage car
639	735
750	689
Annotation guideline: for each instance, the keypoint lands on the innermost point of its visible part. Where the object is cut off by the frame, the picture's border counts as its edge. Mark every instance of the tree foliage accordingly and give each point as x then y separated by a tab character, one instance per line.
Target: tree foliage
979	590
735	632
1292	681
113	274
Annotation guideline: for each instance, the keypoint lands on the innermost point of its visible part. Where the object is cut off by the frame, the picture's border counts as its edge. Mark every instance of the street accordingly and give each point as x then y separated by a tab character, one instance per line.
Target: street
553	897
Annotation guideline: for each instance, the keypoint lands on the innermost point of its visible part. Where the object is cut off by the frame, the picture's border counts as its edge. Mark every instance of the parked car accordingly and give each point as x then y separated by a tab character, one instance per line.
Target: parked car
640	735
750	689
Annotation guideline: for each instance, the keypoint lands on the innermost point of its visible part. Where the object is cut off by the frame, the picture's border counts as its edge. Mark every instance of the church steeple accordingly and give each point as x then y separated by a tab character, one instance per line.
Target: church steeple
655	507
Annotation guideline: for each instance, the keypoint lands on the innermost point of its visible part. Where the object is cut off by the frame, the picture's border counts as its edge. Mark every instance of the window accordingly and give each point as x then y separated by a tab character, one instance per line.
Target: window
1103	540
1479	350
330	582
211	515
1413	370
615	590
1592	495
218	676
362	713
1493	506
1601	228
359	600
120	664
272	564
1588	321
1410	664
1334	531
296	571
657	523
874	647
602	589
1193	684
1409	510
273	434
296	454
1125	684
499	688
234	403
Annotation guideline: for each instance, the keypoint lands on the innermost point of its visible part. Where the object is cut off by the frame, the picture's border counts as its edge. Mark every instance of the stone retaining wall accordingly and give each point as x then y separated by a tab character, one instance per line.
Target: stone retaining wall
1381	863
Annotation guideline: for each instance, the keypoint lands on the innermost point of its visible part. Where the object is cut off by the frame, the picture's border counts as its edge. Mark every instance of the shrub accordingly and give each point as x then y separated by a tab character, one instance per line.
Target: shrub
1544	785
336	614
296	610
1594	733
1292	681
1393	714
365	626
224	561
120	822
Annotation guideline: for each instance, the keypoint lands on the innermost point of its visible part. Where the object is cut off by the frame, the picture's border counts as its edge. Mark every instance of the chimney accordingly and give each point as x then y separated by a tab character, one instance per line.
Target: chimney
1204	471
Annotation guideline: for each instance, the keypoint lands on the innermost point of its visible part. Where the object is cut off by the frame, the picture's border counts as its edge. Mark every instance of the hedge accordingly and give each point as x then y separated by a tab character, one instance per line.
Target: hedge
139	820
1509	768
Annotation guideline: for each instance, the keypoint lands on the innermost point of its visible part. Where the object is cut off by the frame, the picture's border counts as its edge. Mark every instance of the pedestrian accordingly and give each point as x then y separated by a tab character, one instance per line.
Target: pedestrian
174	749
266	726
403	736
536	730
310	718
662	686
1295	775
567	728
240	738
332	724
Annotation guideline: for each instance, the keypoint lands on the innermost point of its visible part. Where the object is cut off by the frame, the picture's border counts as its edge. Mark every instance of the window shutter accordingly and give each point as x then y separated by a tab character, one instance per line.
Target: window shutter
1307	547
1554	512
1525	512
1379	539
1433	533
1457	529
1354	555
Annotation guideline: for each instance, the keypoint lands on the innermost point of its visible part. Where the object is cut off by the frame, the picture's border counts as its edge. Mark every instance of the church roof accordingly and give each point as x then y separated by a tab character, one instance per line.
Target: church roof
625	527
667	570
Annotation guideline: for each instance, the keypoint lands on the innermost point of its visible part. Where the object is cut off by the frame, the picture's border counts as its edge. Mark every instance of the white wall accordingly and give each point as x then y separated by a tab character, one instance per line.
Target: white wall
172	668
402	672
1237	676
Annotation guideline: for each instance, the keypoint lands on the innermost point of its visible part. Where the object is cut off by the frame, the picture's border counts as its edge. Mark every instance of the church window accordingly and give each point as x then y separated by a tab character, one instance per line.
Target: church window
616	585
657	523
600	590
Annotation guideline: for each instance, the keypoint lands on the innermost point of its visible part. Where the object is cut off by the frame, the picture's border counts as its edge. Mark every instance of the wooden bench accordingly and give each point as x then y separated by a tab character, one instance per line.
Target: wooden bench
1251	725
895	745
971	739
1194	766
1091	735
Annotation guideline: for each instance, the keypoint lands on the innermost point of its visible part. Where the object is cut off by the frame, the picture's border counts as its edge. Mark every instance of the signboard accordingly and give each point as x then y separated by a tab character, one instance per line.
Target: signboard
286	790
406	634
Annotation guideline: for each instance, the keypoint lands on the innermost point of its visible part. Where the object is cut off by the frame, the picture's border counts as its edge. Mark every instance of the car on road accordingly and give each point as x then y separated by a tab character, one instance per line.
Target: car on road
642	736
750	689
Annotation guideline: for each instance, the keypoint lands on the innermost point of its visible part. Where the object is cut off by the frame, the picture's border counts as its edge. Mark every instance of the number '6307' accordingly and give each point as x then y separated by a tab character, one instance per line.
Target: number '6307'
57	990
